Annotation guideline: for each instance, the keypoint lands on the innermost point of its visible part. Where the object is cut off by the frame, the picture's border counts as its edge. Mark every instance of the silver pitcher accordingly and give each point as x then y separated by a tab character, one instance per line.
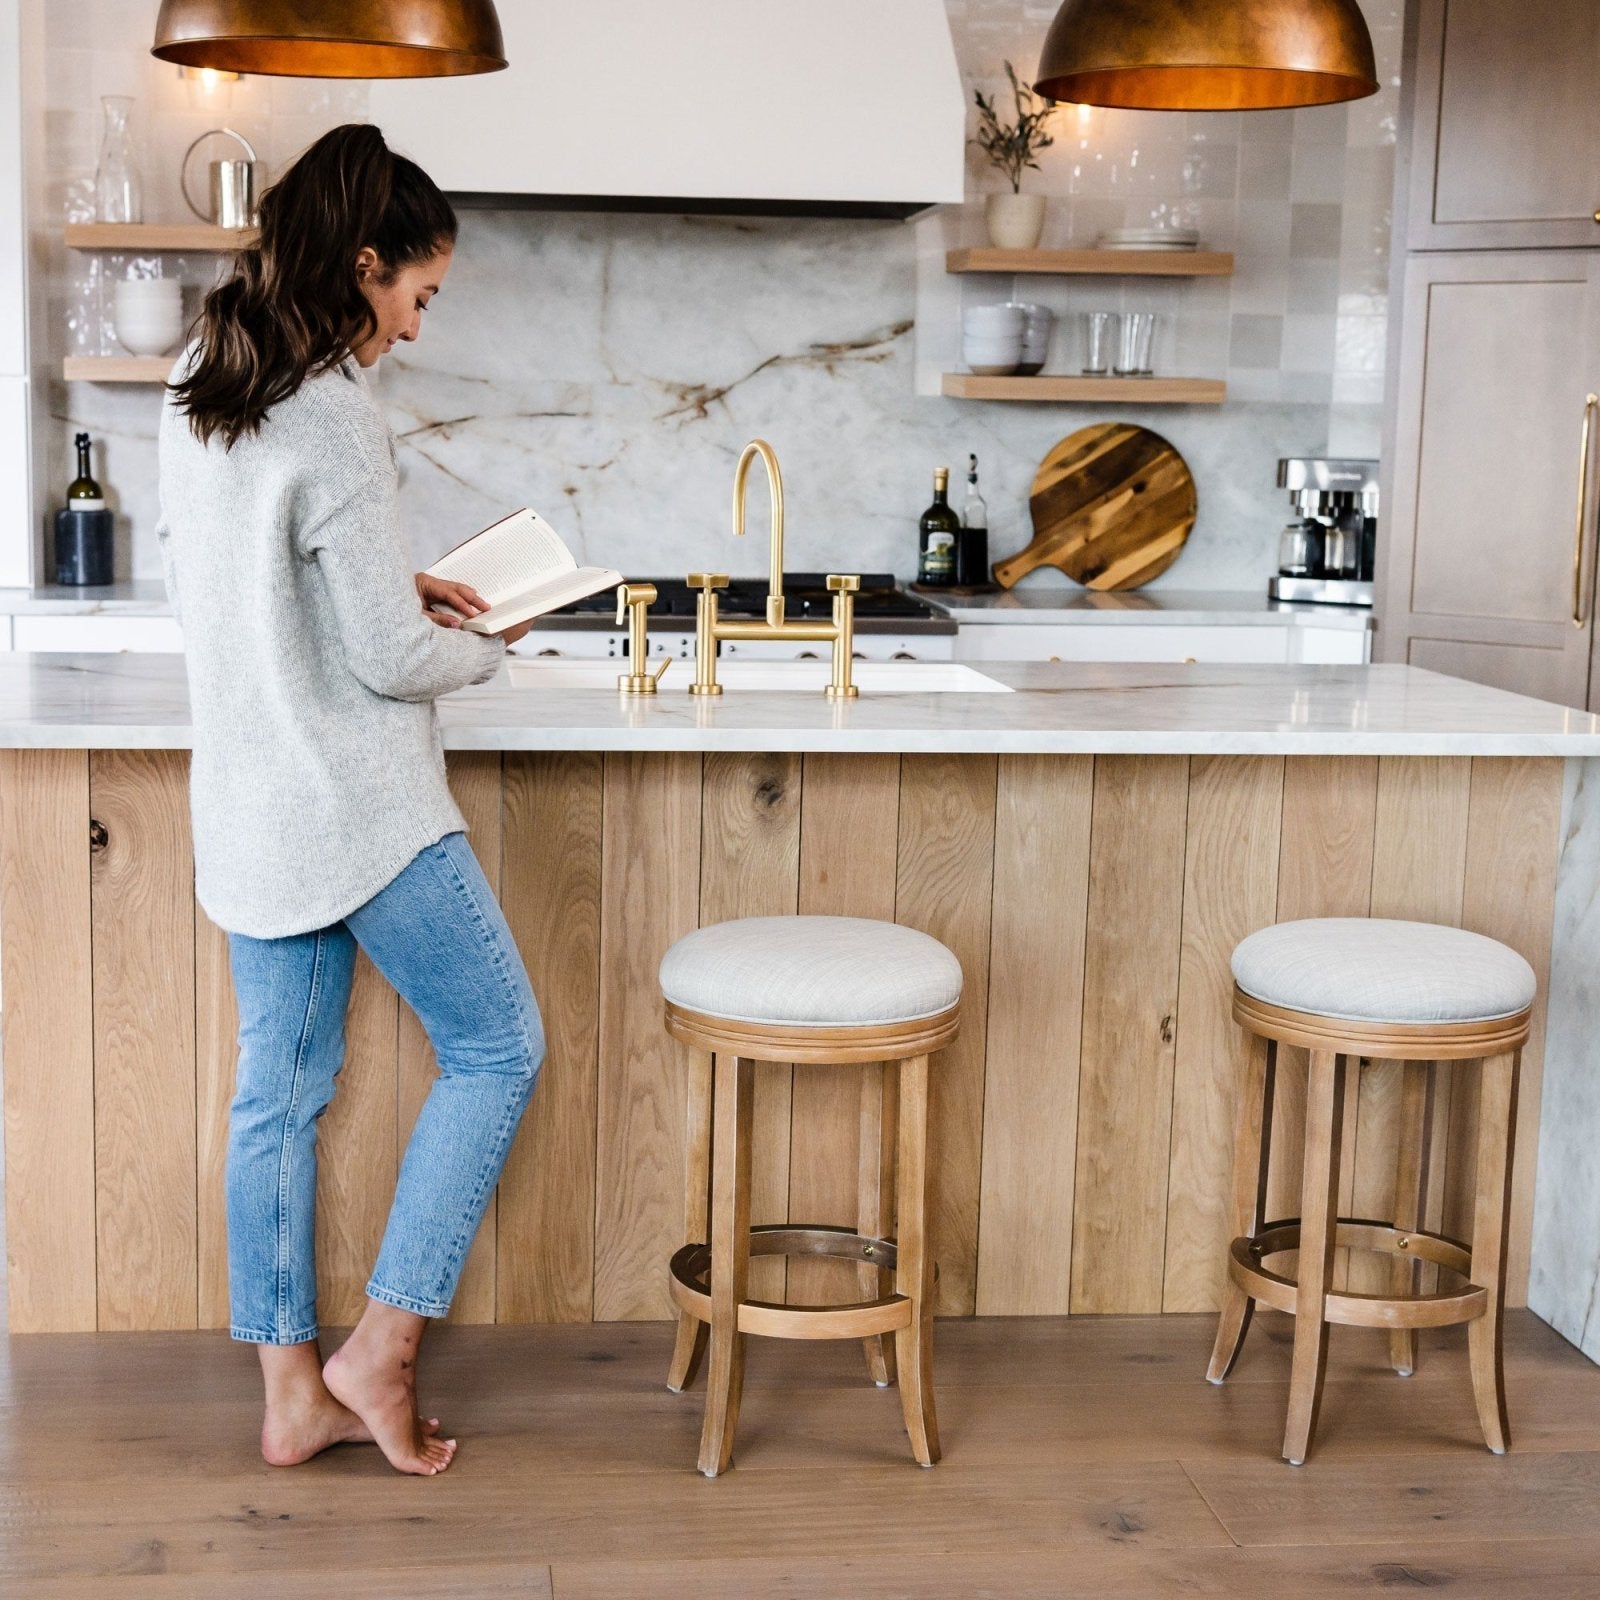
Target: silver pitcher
235	202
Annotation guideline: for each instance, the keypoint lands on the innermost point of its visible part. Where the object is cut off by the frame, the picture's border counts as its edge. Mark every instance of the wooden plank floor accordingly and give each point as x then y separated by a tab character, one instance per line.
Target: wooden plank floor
1084	1457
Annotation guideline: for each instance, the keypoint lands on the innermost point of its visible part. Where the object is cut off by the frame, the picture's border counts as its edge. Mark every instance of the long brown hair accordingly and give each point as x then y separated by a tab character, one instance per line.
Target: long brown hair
293	306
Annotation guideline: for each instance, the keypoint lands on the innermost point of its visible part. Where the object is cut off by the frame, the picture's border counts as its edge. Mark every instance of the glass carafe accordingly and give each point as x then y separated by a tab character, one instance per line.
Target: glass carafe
116	176
1341	551
1300	549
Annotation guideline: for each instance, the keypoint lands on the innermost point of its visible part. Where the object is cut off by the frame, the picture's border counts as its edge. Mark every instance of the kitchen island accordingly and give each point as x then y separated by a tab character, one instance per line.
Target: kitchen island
1091	841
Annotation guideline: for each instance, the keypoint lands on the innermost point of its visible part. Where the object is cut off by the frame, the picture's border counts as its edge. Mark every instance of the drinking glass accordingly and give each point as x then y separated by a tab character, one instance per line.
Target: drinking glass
1099	328
1134	347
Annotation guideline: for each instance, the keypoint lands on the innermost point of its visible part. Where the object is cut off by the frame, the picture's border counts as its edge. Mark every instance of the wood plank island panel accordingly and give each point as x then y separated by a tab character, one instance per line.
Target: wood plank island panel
1082	1150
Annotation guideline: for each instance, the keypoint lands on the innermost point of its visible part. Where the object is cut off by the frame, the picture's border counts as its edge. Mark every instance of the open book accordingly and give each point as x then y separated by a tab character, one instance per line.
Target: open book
521	567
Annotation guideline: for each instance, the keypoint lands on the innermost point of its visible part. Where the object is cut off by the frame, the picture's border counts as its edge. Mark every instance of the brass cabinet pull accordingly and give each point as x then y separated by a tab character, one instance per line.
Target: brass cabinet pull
1590	405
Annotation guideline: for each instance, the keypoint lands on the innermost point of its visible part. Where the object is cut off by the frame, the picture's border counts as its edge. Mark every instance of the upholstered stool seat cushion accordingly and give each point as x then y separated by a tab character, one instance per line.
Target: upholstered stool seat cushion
821	972
1366	969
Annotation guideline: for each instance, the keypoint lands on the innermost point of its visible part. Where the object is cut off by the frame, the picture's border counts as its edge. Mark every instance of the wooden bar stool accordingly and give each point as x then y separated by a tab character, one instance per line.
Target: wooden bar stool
807	990
1344	988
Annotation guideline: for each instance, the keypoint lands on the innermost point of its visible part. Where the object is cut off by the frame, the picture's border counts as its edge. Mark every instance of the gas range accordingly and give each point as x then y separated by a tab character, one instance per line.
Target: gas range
891	625
806	597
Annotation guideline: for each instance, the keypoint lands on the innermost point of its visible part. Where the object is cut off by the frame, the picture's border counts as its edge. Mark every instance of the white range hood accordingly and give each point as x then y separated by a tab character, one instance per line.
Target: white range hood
775	107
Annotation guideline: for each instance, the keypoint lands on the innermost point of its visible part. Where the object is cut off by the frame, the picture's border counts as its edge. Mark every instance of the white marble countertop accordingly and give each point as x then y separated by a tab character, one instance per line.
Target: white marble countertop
140	701
1059	603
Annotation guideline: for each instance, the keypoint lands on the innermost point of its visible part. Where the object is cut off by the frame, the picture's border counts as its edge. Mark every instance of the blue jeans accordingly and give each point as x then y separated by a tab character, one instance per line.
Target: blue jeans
437	934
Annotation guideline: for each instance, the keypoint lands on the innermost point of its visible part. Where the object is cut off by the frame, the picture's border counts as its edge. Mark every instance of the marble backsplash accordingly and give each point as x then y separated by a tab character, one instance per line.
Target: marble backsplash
607	369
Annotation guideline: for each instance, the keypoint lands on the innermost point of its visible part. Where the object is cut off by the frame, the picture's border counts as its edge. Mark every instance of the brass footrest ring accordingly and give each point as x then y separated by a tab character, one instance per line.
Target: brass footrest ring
1246	1254
689	1278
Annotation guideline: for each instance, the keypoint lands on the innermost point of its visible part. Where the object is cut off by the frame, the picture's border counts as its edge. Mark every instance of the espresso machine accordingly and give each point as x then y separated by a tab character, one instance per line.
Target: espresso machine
1328	553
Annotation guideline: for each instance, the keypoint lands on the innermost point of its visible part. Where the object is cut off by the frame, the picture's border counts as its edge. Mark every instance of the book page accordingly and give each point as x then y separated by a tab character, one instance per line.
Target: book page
508	558
553	593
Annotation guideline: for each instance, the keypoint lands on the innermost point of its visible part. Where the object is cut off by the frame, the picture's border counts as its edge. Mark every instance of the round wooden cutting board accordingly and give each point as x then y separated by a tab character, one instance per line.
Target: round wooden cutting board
1112	505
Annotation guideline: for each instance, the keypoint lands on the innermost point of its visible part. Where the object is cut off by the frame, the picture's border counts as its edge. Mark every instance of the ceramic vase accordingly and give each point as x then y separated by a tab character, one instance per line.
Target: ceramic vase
1015	221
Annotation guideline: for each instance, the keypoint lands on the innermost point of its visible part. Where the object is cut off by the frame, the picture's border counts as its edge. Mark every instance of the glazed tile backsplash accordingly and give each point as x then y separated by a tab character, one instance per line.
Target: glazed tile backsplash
607	369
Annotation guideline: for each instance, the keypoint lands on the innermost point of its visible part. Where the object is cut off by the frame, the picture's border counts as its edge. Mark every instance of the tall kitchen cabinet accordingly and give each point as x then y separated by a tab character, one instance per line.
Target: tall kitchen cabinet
1492	455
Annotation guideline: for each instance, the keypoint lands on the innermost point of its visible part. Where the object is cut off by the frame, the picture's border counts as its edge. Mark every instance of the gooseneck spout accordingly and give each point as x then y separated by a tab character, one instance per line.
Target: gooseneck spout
760	447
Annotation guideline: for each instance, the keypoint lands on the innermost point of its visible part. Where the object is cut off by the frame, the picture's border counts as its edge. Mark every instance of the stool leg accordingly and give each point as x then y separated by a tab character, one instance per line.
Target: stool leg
1319	1206
875	1202
690	1344
913	1344
1497	1127
730	1256
1251	1144
1411	1197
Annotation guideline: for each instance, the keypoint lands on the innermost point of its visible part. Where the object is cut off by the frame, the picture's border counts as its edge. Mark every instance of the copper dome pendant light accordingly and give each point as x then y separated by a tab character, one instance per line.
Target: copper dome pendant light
332	38
1207	55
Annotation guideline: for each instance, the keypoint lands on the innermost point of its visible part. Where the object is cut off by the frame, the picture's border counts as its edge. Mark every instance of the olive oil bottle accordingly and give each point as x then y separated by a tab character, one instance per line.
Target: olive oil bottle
936	536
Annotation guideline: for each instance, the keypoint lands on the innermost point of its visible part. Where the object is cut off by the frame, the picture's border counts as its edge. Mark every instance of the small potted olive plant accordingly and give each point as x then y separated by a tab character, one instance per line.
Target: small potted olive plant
1015	220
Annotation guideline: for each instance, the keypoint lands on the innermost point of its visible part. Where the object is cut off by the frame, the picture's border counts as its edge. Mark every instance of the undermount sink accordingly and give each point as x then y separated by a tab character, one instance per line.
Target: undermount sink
871	677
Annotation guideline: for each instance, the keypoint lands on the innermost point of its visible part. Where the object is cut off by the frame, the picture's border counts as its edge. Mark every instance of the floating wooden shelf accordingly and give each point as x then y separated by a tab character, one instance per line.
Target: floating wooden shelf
1113	263
117	369
155	236
1134	391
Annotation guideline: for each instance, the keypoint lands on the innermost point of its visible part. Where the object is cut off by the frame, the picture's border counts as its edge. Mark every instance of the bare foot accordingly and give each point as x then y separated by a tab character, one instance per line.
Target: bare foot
374	1374
302	1418
294	1432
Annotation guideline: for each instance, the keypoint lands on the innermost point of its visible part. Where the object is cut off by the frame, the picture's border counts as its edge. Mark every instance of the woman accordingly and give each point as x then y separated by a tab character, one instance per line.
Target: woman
322	819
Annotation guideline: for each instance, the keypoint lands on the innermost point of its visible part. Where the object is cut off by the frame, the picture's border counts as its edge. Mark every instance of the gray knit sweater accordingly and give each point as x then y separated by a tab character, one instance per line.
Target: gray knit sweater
317	771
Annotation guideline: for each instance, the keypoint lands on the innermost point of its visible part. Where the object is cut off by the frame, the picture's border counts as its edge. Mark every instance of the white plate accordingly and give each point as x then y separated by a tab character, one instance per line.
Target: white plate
1137	244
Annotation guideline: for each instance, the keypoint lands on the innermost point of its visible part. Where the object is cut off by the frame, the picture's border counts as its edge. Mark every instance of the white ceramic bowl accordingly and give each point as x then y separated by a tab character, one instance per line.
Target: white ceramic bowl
992	356
991	351
993	320
149	292
148	335
1037	324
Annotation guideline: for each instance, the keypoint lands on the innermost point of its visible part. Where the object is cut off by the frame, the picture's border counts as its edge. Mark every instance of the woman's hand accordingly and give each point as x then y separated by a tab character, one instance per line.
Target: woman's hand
461	597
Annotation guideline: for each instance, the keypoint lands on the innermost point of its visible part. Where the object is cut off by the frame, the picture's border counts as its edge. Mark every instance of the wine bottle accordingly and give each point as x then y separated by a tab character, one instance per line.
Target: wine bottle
83	493
972	543
936	538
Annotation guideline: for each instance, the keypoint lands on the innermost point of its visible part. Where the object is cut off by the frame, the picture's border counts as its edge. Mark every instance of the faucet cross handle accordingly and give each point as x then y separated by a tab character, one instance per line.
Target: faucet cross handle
844	587
708	580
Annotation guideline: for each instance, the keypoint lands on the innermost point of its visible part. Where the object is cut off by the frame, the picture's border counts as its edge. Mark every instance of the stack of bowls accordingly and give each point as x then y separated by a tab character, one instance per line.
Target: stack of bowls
1036	324
148	315
991	338
1014	337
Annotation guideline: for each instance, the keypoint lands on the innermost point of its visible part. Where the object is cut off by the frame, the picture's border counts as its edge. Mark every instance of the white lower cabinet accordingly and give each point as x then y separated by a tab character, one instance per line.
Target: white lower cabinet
1218	643
95	633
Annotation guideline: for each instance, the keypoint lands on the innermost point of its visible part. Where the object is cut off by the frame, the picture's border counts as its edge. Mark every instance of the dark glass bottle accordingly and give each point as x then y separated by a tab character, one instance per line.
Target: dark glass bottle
972	543
83	493
936	536
83	528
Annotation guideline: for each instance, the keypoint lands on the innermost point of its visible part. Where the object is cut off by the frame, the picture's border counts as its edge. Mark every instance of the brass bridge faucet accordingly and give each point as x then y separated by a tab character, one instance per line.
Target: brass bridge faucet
710	629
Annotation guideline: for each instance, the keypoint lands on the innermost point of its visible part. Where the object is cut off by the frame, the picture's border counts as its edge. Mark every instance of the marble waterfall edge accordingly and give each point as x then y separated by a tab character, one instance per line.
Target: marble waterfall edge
1564	1282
